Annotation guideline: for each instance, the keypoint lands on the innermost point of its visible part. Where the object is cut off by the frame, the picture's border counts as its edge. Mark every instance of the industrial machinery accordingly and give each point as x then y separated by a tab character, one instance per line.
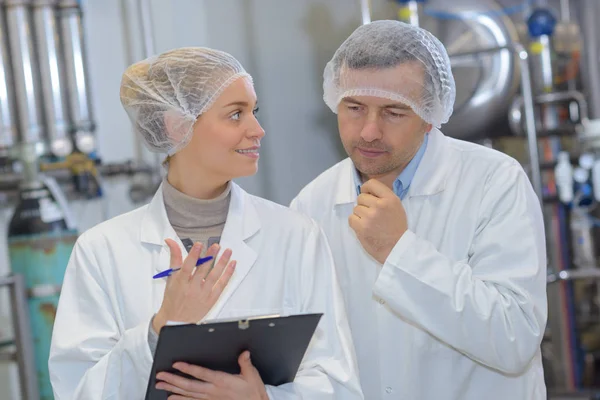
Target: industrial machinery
528	84
47	146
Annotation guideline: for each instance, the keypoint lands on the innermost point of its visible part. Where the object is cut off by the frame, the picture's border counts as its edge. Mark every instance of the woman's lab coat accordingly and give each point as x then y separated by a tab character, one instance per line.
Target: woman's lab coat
458	310
284	265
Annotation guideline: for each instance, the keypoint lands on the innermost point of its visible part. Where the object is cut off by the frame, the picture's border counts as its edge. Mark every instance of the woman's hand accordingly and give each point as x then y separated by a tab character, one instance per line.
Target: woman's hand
191	292
214	385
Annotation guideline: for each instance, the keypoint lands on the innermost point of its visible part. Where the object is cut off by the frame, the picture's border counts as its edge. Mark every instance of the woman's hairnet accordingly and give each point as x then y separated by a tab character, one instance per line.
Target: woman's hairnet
165	94
363	66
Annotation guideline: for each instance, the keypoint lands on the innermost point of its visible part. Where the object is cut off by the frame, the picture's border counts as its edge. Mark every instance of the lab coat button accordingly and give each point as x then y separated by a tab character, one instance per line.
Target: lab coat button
388	390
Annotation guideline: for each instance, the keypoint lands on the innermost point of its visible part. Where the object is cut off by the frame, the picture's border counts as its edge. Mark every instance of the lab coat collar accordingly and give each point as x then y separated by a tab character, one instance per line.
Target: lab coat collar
429	179
431	175
242	223
242	219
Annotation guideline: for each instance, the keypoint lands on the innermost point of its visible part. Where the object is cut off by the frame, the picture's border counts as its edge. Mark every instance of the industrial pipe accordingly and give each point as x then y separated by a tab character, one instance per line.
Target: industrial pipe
591	73
526	91
8	131
365	11
51	77
527	94
25	76
80	110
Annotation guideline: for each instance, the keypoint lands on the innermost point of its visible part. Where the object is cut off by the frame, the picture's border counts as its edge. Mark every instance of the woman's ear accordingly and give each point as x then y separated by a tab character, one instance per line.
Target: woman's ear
177	126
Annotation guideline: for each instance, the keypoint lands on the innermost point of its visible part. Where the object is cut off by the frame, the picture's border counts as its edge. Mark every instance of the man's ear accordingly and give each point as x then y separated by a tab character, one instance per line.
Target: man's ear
427	127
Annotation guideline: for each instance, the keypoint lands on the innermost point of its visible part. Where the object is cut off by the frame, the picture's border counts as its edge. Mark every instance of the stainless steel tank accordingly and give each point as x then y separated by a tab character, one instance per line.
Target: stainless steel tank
485	84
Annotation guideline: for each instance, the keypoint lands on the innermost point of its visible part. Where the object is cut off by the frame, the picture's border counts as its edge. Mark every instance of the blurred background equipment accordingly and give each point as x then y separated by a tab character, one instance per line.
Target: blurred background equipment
528	84
47	151
552	128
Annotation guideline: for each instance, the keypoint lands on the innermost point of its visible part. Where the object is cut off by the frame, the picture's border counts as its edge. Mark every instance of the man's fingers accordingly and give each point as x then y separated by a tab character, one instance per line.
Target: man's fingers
362	211
376	188
353	221
367	200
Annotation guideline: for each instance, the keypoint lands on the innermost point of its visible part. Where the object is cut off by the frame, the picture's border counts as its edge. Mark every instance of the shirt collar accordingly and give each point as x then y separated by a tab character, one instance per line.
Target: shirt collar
402	182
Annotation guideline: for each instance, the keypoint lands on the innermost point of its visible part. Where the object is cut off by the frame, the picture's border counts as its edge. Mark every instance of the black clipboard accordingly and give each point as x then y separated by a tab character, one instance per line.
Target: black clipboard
276	344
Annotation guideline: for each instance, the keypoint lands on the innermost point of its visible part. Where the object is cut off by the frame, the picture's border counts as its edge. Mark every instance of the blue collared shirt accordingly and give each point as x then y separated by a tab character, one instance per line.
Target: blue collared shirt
402	182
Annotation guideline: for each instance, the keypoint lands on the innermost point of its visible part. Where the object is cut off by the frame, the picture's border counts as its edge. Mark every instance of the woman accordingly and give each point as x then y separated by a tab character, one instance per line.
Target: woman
198	105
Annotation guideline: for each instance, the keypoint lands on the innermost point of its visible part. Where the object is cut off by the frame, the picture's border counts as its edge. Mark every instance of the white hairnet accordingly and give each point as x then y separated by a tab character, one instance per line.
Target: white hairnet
362	66
173	89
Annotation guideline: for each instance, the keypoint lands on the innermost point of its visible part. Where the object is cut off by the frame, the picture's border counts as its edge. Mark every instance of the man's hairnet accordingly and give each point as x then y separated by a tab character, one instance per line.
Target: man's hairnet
165	94
363	66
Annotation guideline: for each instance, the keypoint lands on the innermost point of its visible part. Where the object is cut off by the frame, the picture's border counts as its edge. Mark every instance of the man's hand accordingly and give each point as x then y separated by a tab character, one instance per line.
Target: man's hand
214	385
379	219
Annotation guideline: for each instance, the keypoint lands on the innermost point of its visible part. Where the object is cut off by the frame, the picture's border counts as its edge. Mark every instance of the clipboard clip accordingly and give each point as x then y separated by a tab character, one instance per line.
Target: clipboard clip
243	324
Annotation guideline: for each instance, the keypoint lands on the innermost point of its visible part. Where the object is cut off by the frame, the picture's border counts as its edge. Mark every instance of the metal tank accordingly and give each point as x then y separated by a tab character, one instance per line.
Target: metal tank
40	242
485	83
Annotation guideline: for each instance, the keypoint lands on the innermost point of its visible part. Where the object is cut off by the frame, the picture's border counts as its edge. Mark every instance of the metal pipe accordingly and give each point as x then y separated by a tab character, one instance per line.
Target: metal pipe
556	97
591	272
477	53
545	59
10	180
591	72
146	26
565	11
23	337
26	79
128	11
52	80
80	110
149	50
526	92
8	131
515	111
365	11
413	11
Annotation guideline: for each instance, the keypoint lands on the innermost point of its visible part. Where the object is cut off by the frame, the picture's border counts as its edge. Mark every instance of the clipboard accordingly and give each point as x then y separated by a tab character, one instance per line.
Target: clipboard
277	345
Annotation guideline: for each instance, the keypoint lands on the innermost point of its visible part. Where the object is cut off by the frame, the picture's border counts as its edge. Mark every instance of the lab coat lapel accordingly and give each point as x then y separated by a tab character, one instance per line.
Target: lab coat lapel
242	223
154	230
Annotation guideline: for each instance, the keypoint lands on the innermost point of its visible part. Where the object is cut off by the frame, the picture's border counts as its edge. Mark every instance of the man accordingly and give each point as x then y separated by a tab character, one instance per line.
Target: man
439	242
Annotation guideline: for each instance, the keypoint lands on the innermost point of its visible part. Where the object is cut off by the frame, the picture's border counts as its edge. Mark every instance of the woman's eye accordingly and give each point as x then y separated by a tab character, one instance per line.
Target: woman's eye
255	111
236	116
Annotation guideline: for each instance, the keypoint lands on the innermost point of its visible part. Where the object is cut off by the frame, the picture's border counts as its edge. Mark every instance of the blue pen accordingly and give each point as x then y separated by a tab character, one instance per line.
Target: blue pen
169	271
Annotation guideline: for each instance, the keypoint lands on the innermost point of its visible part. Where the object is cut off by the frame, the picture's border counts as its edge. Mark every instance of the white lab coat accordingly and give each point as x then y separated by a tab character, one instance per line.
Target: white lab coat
284	265
458	310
